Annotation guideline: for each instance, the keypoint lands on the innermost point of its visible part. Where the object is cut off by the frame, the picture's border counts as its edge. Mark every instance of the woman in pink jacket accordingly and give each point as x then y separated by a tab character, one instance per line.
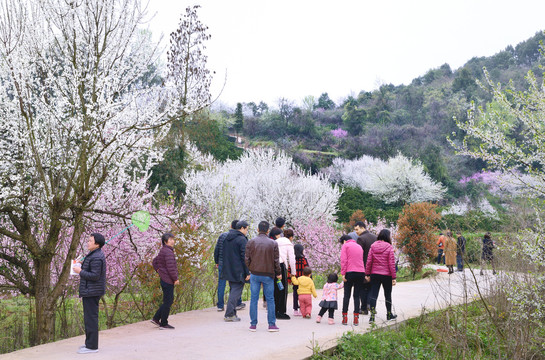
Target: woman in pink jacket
381	271
353	272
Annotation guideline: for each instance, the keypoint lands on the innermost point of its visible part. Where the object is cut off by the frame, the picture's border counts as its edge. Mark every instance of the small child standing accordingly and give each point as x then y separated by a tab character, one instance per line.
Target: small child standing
329	298
300	263
306	288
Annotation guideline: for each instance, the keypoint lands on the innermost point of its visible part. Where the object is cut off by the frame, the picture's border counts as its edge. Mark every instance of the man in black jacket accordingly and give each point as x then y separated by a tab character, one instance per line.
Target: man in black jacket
218	259
234	268
460	251
92	287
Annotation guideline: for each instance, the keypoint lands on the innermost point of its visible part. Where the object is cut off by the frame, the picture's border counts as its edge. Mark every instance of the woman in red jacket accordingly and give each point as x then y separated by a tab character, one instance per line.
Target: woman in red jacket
381	270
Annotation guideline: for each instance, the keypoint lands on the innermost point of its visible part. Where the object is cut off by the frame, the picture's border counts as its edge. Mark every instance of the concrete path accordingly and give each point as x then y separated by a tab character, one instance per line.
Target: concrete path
202	334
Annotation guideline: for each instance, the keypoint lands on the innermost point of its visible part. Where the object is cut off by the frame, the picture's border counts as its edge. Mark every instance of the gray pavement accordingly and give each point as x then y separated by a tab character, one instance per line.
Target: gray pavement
202	334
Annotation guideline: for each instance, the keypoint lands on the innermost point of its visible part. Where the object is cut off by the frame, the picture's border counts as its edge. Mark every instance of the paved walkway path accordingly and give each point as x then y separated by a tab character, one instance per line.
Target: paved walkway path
202	334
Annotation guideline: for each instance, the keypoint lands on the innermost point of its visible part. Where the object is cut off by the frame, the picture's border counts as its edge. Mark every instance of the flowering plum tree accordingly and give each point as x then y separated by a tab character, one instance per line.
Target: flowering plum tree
79	118
261	185
397	180
510	139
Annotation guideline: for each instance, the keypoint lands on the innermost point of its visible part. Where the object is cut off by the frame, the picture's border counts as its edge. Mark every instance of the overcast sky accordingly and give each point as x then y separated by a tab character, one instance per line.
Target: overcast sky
291	49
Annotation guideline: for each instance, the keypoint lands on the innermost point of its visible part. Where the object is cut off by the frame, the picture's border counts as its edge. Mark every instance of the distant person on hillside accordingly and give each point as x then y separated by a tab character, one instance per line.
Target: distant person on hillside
329	298
262	259
450	252
165	265
380	270
488	253
353	273
365	240
305	290
234	267
460	251
440	248
301	262
218	259
92	287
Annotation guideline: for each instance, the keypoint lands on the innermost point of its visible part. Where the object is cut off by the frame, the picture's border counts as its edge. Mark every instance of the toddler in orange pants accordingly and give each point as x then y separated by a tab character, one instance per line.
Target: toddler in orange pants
306	288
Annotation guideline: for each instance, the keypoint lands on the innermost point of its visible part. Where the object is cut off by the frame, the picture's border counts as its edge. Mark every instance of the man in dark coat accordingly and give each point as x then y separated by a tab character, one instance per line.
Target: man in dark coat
165	265
234	268
460	251
365	240
92	287
218	259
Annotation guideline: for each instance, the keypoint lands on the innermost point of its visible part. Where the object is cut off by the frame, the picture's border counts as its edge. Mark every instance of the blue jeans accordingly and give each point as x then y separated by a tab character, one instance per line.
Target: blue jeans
460	262
268	291
221	291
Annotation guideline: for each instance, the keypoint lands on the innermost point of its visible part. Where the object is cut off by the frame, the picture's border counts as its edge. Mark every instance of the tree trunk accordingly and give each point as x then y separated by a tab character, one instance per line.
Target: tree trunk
46	305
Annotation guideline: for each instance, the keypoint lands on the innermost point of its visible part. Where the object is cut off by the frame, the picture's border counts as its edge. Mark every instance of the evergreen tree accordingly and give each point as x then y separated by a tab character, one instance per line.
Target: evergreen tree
239	119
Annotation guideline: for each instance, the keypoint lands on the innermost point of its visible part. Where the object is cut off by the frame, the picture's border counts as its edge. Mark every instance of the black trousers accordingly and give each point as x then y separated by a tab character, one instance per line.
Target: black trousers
90	320
168	298
376	282
364	296
355	280
331	312
281	296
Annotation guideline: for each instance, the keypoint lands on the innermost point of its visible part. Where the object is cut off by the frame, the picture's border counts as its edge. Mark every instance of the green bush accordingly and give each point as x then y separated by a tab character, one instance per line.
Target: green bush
354	199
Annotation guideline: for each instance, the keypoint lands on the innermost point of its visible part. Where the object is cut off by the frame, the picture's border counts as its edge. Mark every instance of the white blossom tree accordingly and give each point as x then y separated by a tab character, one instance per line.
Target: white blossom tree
510	138
397	180
78	118
261	185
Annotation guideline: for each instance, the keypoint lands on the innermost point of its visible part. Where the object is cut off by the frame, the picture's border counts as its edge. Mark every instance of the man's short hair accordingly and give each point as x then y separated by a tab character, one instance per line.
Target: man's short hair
263	227
165	237
234	224
279	222
241	224
99	239
360	224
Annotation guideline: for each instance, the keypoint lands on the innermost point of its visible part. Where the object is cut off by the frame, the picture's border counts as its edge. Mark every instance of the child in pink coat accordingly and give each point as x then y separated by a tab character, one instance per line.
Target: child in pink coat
329	298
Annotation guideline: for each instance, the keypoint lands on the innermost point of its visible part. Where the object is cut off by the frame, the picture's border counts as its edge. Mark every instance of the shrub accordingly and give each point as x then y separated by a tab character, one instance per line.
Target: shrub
416	233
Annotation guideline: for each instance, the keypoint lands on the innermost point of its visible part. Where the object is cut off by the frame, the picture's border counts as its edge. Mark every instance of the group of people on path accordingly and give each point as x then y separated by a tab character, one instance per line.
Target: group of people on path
267	261
367	263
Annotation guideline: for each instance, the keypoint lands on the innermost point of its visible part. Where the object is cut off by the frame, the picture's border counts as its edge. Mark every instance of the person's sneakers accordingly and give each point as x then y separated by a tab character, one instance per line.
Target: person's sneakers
318	319
297	313
241	306
330	321
81	347
273	328
84	350
166	327
345	319
156	322
307	316
253	328
356	319
233	318
220	309
280	316
391	316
